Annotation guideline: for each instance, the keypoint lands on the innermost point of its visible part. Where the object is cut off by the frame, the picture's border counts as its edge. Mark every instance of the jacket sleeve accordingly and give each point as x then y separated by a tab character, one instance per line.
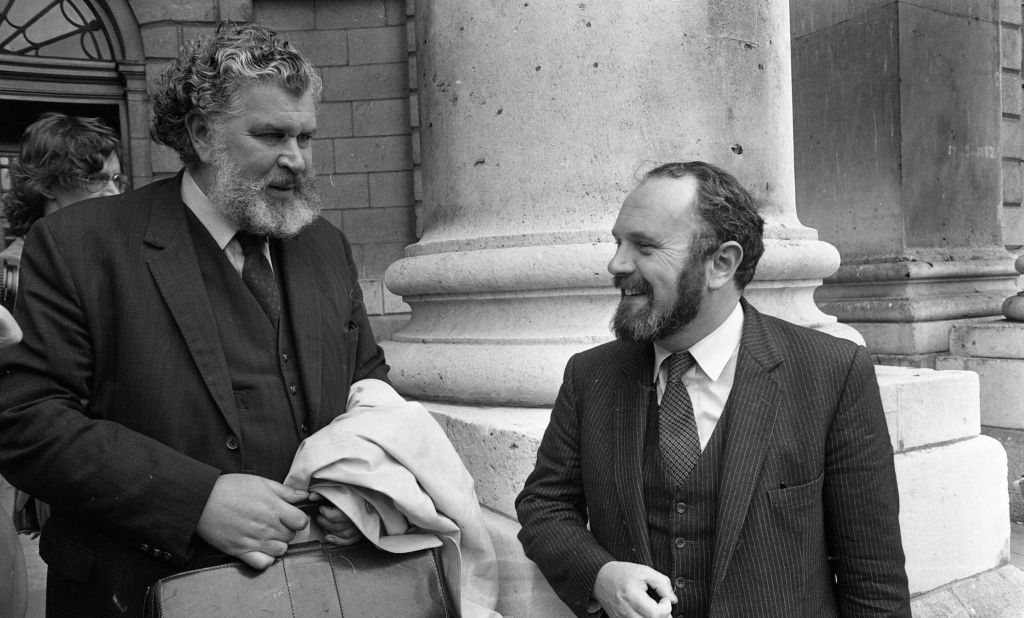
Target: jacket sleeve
862	502
369	360
552	508
101	471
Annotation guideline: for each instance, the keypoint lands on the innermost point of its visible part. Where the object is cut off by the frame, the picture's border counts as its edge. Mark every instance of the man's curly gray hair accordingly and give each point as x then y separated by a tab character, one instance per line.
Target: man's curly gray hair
207	75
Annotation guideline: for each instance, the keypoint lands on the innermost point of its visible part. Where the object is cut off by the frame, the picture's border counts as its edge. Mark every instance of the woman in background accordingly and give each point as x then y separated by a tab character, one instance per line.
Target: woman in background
61	160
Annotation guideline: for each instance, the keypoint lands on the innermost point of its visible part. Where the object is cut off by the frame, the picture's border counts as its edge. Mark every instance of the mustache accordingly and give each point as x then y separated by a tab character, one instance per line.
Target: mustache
631	283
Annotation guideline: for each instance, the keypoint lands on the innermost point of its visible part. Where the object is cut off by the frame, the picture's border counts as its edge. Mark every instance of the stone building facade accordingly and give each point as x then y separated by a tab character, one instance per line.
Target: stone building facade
476	154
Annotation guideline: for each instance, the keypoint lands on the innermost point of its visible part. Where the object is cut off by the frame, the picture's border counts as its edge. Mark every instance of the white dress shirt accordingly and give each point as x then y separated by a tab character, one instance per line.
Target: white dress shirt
222	230
709	381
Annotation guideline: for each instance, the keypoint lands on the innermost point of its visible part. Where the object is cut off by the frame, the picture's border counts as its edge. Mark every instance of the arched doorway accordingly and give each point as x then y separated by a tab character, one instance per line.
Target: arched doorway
81	57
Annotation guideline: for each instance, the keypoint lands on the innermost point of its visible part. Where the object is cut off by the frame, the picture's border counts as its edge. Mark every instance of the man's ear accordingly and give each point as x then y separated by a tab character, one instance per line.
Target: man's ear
721	267
200	131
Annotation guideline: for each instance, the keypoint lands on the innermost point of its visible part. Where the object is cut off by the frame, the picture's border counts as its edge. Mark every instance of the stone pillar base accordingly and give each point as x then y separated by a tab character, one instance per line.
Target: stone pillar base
906	308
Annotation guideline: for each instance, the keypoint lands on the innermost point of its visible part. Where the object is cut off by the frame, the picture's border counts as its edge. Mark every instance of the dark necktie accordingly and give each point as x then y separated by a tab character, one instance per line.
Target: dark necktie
259	276
677	428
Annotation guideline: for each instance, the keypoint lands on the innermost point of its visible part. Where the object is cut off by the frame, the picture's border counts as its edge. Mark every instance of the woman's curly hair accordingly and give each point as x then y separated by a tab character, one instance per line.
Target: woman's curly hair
207	74
56	150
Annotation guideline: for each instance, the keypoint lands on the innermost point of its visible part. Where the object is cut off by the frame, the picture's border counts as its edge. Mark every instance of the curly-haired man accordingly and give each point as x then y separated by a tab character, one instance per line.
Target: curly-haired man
181	340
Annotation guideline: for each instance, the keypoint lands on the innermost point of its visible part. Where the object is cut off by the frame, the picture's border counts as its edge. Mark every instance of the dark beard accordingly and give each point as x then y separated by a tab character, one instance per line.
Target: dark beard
245	202
644	325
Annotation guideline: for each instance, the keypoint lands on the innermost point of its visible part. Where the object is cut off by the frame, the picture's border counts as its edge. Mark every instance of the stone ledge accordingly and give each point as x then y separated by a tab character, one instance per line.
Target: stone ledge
1000	380
924	406
998	593
994	337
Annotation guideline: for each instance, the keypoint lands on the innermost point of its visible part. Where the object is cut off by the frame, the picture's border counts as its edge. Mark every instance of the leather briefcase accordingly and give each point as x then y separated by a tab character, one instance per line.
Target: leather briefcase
312	579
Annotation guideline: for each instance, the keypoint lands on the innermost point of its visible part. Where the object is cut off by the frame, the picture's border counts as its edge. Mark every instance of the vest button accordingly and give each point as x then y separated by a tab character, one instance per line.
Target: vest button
682	507
284	357
680	583
681	543
231	443
292	389
303	428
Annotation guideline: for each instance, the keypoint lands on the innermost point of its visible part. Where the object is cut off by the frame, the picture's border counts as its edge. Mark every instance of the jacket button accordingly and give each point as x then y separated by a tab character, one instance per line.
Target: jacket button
680	583
303	428
166	555
681	543
231	443
292	389
144	548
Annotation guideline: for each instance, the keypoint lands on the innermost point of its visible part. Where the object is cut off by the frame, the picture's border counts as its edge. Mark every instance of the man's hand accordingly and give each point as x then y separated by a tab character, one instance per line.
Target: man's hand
621	589
251	518
10	332
337	527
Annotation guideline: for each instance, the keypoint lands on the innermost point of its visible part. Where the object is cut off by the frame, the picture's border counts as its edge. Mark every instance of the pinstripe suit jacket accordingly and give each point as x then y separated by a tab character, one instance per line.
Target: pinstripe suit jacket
807	516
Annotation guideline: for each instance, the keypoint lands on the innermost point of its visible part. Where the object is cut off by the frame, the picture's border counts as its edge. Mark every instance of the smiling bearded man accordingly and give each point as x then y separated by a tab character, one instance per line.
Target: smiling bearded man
712	461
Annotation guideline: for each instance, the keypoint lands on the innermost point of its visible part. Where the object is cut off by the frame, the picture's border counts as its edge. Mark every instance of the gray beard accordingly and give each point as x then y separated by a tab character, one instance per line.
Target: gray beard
245	202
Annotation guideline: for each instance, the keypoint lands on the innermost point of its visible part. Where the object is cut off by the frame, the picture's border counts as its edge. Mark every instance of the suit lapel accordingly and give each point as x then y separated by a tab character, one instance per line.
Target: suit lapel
752	409
302	292
632	402
175	270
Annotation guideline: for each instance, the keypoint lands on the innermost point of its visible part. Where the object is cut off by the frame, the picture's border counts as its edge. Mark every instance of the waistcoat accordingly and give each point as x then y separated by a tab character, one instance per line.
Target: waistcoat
261	361
681	519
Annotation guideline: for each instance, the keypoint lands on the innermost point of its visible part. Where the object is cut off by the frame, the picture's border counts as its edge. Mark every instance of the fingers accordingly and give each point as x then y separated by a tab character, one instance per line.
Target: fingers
294	519
337	526
662	586
292	496
256	559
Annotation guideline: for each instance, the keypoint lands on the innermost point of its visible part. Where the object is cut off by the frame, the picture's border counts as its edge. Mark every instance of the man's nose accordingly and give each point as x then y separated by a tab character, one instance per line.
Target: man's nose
621	263
293	157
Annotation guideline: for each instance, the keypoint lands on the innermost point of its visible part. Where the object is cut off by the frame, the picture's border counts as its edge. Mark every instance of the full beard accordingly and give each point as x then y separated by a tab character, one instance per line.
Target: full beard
246	203
646	324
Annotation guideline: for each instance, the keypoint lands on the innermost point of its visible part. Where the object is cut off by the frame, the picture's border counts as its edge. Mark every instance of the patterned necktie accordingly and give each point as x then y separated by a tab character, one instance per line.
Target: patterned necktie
677	428
259	276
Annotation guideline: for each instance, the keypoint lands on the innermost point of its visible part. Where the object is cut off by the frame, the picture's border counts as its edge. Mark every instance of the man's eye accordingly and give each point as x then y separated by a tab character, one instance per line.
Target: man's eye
303	140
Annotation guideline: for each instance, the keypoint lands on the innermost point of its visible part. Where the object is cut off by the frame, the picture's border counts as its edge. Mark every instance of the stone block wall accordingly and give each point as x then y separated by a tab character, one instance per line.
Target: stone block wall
1011	146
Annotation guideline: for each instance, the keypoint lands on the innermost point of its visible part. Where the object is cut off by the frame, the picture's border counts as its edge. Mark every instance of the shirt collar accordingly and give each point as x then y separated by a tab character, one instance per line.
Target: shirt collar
217	224
712	352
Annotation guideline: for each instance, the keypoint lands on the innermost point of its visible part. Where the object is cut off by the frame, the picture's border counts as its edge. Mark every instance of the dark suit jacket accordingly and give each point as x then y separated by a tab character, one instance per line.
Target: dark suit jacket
807	515
118	406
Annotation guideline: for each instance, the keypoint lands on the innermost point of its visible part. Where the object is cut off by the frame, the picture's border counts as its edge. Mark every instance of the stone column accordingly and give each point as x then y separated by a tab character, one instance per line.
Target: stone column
897	127
535	120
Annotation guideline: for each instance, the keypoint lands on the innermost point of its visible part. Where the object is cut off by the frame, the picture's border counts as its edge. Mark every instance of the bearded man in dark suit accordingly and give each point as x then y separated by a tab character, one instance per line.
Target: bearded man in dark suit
181	340
749	474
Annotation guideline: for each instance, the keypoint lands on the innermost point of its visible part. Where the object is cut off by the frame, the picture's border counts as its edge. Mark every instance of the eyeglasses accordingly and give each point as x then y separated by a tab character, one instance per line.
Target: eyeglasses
97	182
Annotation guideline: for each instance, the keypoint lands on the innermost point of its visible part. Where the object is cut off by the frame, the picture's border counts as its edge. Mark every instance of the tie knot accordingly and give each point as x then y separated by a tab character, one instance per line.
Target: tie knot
250	242
678	364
